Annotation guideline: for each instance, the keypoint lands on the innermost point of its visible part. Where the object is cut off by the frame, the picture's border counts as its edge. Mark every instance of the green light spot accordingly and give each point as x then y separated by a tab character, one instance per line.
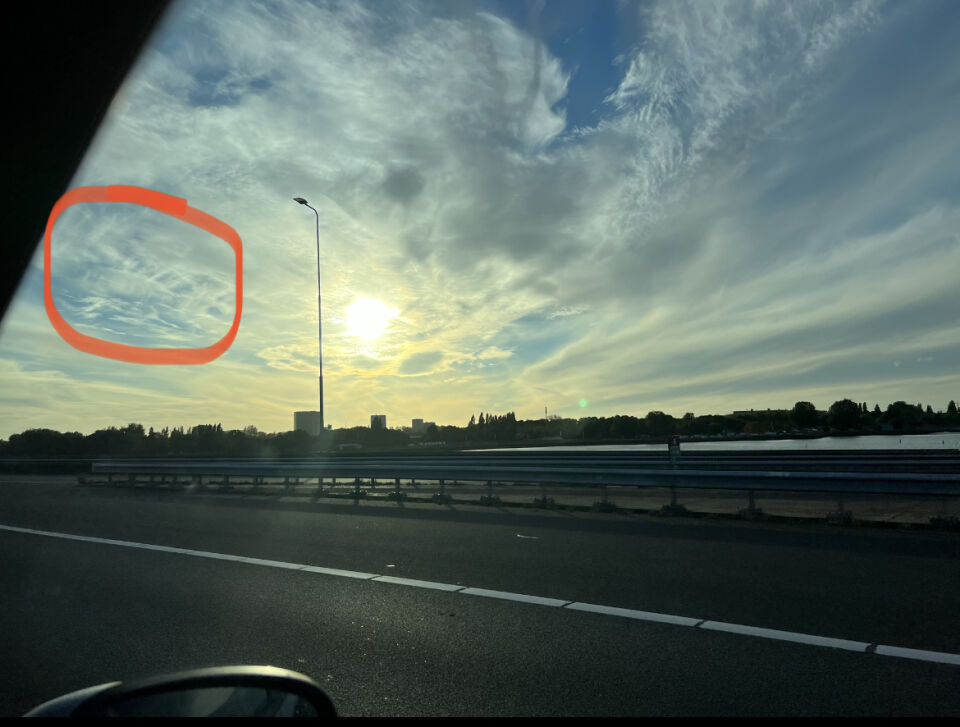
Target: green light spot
583	403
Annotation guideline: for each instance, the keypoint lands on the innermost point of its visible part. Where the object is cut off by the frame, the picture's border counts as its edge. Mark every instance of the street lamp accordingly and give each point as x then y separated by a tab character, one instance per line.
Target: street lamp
302	201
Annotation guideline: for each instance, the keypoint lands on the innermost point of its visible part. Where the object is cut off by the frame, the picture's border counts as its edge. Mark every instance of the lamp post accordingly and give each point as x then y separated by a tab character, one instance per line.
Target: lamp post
302	201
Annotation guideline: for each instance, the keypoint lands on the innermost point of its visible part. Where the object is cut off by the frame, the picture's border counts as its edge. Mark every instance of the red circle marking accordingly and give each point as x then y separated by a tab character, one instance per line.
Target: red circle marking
168	205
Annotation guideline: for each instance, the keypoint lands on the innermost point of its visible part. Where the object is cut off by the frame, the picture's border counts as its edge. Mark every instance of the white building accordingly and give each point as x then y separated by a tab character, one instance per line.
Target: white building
310	422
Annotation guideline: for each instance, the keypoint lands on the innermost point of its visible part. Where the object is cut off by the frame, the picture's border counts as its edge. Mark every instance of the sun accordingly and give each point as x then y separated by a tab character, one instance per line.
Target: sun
368	318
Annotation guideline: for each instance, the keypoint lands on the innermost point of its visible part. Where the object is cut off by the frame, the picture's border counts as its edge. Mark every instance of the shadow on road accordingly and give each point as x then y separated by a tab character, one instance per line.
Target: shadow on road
785	532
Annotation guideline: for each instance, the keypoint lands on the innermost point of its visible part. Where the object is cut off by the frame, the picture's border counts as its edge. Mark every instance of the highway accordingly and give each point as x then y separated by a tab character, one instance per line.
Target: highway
461	610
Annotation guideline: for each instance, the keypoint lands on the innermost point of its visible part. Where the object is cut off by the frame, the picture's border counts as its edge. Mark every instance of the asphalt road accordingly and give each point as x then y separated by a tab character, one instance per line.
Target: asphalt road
76	613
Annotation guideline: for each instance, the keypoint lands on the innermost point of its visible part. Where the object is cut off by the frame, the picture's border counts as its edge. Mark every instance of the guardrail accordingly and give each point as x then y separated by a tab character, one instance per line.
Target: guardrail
901	483
599	472
945	460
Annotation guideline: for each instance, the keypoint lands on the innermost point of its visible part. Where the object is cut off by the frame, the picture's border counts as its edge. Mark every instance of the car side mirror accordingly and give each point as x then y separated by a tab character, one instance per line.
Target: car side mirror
240	691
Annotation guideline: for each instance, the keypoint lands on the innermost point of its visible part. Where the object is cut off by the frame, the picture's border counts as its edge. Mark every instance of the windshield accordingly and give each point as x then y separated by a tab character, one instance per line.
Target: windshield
429	300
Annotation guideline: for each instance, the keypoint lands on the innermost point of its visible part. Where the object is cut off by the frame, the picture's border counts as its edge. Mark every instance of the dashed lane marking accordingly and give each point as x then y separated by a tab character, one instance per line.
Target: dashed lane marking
939	657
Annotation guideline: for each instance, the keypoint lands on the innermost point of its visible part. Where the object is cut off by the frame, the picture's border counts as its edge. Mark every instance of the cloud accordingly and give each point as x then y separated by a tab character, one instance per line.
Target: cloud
494	352
420	363
404	185
292	357
564	311
764	205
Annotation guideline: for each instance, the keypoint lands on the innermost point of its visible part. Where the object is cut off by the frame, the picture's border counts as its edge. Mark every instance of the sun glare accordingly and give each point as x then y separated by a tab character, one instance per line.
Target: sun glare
367	318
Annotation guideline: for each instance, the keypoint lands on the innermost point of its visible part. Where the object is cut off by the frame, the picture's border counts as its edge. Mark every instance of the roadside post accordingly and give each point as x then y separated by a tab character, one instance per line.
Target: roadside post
673	451
673	447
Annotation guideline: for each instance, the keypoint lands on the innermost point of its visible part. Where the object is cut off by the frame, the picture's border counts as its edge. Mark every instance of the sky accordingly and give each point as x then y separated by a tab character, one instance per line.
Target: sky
595	207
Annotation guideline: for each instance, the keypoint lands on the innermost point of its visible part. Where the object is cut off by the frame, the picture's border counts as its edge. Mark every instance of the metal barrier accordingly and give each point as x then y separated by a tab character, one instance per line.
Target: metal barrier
900	483
756	472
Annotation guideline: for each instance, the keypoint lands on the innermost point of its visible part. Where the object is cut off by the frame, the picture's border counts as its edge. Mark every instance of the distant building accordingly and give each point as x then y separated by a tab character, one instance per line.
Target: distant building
378	421
310	422
418	426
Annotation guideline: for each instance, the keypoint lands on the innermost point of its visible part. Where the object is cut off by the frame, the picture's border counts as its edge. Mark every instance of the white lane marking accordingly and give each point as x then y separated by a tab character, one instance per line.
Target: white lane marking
196	553
166	549
419	584
938	656
272	563
808	639
508	596
785	636
338	572
630	613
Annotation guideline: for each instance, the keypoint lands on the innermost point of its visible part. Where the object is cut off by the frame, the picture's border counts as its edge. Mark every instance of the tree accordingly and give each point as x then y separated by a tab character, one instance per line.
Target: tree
952	407
625	427
659	424
134	430
804	414
876	410
901	414
844	414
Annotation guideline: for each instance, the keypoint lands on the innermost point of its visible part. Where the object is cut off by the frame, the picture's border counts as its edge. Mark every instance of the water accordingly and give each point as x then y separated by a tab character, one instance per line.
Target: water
939	440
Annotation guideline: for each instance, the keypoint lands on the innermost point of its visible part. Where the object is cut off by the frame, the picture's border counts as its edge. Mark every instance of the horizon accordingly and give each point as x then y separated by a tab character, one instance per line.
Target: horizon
403	427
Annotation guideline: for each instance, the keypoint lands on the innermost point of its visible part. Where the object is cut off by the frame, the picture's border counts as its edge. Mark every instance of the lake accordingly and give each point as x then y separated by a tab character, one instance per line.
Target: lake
940	440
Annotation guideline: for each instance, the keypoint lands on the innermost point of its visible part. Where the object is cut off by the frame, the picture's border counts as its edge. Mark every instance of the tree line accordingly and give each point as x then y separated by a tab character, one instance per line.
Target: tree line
132	440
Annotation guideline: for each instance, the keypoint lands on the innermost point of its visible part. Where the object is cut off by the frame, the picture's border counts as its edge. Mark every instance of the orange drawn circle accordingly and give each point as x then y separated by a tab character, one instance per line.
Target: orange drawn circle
169	205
